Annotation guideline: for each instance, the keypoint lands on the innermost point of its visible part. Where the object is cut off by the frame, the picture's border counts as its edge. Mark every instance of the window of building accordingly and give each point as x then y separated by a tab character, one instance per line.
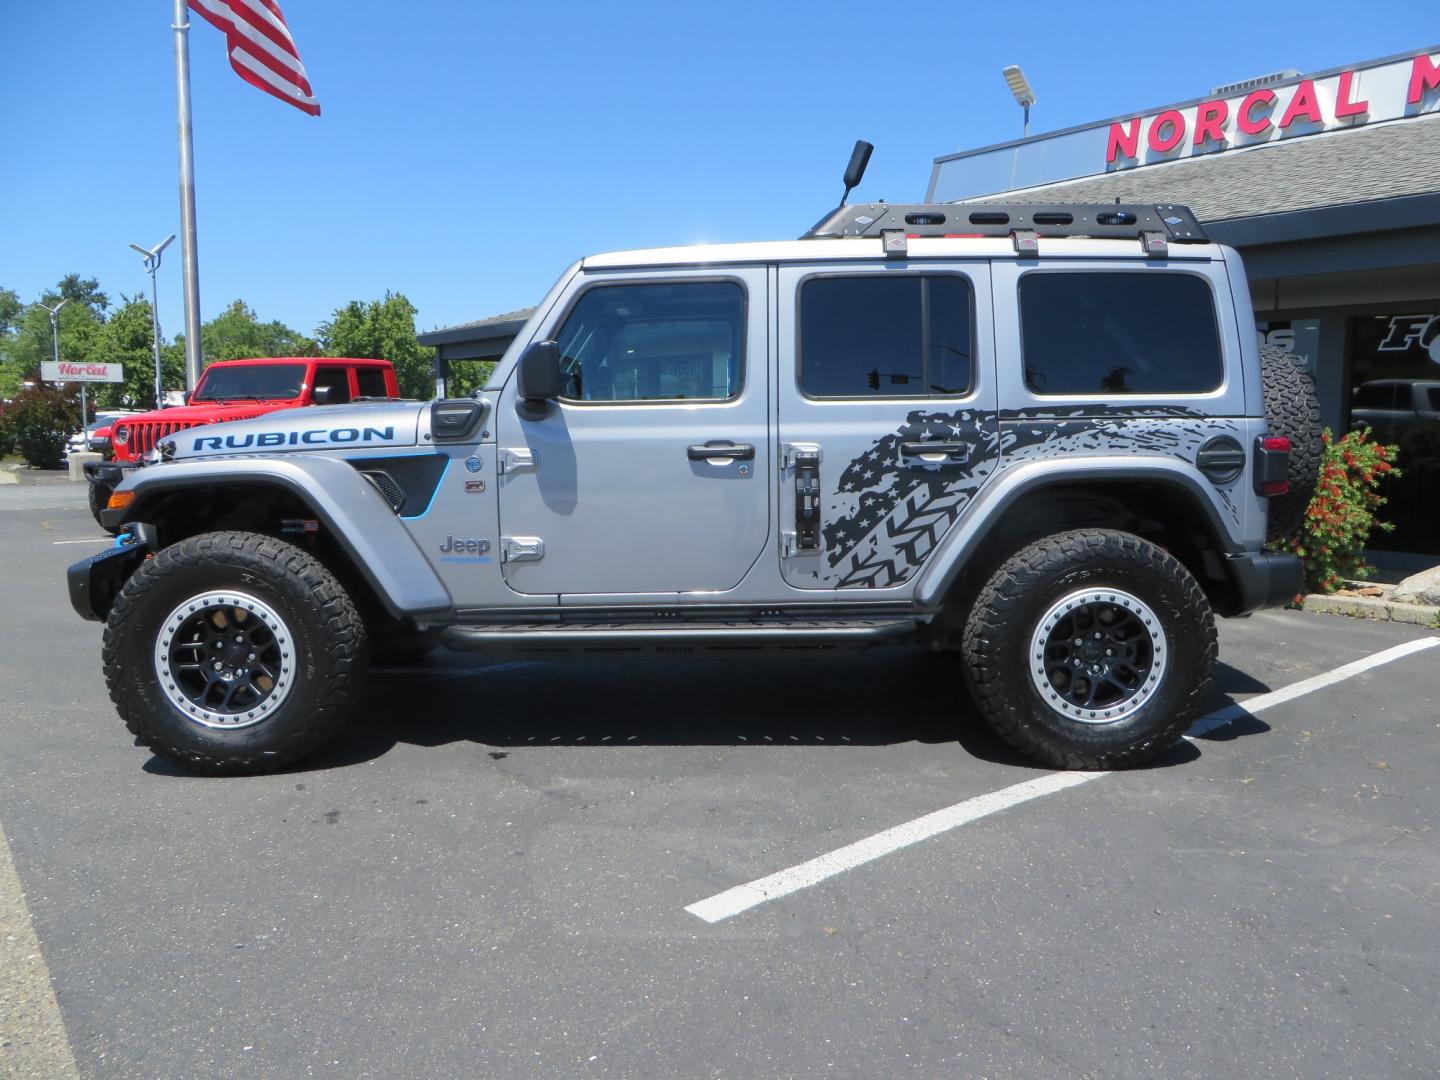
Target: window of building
654	342
1395	391
879	336
1119	333
337	379
371	382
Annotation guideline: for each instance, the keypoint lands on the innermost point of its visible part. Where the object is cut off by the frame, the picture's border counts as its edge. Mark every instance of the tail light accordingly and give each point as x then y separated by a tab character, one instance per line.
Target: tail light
1272	465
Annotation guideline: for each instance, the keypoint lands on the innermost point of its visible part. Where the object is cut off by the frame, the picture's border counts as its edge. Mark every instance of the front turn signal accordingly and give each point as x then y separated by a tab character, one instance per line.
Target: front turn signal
119	500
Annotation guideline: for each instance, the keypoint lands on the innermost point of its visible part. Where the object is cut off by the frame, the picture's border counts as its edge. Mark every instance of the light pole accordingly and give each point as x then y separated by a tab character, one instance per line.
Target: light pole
55	346
152	264
1020	87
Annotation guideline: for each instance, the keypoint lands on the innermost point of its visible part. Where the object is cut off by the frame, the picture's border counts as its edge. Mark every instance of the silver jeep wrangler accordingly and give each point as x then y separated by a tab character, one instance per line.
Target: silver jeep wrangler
1041	437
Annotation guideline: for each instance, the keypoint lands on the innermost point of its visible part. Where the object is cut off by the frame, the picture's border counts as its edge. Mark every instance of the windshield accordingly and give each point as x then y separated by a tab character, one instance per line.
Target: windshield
249	382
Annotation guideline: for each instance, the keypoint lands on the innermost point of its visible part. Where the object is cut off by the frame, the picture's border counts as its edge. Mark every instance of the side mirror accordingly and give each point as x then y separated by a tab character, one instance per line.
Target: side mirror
188	395
321	395
538	379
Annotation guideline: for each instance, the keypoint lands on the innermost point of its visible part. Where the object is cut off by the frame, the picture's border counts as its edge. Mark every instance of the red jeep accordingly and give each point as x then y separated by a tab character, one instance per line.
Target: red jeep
240	390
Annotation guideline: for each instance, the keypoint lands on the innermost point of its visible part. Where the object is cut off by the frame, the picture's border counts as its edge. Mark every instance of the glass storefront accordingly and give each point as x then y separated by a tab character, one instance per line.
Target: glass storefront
1395	389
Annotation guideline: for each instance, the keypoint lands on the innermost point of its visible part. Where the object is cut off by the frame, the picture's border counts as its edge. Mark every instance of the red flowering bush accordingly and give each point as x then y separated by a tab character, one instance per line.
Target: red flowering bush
1342	513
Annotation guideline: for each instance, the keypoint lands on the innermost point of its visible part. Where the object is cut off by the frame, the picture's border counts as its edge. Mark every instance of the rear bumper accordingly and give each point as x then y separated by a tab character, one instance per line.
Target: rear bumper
1264	580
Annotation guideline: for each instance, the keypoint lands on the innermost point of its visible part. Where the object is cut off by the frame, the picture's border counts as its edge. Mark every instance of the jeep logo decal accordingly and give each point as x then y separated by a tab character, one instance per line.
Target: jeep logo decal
312	437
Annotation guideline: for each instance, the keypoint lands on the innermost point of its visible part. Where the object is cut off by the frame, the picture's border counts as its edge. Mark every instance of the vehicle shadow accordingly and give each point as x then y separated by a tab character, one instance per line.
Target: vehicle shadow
883	697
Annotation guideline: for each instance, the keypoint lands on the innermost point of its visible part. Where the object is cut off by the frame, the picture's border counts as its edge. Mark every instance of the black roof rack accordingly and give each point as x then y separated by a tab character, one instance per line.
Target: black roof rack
1173	223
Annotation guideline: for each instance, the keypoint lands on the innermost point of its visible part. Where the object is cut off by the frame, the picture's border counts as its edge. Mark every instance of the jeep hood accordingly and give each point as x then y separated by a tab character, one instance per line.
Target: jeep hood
325	427
207	412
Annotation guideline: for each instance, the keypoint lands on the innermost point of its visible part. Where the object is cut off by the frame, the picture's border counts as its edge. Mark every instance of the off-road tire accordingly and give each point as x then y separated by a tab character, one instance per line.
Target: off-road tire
99	494
996	647
331	651
1292	409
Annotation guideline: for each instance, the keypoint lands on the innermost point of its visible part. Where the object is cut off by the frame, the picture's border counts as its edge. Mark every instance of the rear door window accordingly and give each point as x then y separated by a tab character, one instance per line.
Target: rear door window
338	381
885	336
1119	333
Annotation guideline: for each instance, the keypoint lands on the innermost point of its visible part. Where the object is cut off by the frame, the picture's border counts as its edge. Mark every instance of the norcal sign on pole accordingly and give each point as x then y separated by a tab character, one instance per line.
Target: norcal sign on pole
65	371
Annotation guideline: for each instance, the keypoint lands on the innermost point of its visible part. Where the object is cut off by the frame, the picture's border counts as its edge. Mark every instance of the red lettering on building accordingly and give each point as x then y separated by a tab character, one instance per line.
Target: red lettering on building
1210	122
1305	104
1245	116
1123	142
1423	76
1163	140
1344	106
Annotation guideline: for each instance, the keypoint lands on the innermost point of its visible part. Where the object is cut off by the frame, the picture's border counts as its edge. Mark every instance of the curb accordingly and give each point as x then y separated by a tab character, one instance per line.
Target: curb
1378	608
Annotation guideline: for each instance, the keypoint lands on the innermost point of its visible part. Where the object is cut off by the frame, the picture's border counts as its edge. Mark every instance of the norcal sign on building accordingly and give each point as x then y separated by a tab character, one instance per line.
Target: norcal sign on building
1269	110
1387	91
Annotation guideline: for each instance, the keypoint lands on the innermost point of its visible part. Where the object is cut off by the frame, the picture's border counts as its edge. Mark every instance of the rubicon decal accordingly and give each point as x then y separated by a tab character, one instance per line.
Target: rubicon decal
265	440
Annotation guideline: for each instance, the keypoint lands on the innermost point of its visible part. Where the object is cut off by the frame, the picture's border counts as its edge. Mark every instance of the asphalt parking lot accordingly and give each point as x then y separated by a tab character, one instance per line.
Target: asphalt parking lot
490	874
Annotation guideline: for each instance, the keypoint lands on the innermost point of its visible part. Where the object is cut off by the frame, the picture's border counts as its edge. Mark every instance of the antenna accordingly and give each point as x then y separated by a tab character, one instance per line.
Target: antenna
855	171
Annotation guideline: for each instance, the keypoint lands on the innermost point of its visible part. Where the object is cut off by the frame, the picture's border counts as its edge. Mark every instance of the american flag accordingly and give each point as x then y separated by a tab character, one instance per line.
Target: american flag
262	52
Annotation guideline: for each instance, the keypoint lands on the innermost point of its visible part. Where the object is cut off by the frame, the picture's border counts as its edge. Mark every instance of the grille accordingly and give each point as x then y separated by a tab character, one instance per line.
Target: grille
392	492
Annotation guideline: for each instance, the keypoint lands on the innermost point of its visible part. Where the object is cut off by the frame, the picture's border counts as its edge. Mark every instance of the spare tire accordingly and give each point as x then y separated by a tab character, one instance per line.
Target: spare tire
1292	410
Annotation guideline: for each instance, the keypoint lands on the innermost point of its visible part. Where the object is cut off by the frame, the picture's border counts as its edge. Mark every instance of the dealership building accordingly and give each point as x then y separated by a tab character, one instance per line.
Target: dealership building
1329	186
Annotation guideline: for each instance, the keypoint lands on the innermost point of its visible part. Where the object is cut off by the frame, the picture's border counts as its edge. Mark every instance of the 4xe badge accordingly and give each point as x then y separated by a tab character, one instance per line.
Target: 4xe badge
473	464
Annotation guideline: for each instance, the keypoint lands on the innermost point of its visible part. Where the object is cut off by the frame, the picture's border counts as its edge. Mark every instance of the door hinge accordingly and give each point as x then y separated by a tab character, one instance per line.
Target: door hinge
790	452
521	548
516	459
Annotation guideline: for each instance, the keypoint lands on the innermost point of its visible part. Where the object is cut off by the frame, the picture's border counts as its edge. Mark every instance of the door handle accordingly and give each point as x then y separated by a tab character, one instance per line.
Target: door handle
921	454
949	449
721	451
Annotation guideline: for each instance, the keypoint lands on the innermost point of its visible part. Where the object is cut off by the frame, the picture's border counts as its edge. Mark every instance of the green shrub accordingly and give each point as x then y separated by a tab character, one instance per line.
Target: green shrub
37	424
1342	513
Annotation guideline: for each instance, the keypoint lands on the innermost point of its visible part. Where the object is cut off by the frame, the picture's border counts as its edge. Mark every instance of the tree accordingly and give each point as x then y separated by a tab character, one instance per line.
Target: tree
127	339
236	334
82	291
27	340
383	330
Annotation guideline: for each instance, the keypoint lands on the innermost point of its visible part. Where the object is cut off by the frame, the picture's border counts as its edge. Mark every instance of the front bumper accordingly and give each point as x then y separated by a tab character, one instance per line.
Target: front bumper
108	472
95	582
1265	580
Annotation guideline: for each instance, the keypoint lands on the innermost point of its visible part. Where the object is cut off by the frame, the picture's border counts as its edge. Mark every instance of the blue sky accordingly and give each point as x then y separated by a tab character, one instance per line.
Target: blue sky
468	152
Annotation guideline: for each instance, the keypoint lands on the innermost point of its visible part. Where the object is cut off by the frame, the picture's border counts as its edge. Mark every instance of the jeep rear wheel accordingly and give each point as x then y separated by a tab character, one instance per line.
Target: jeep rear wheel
234	653
1090	649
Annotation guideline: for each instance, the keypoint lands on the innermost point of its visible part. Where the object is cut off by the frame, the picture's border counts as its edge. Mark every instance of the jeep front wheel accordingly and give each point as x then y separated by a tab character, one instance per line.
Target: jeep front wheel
1090	649
234	653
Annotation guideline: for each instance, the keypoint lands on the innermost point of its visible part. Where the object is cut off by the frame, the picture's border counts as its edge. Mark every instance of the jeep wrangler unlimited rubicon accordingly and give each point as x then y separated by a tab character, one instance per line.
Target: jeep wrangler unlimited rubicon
238	390
1042	437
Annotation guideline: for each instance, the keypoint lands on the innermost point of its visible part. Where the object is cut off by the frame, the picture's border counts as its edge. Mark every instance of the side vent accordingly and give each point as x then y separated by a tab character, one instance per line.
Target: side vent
389	490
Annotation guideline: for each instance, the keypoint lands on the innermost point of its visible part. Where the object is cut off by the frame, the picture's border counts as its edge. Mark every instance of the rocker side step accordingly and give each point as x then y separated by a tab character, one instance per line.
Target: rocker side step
677	638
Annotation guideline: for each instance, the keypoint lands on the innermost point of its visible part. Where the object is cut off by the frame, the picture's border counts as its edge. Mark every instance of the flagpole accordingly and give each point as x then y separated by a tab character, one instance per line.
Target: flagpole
190	259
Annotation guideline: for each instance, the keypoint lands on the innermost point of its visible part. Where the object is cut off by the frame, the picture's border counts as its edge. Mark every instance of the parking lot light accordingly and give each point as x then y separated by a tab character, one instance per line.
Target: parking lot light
1020	87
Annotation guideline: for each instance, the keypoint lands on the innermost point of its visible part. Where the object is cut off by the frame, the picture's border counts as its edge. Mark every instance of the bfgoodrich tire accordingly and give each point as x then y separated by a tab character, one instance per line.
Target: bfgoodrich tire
232	652
1292	410
99	495
1090	649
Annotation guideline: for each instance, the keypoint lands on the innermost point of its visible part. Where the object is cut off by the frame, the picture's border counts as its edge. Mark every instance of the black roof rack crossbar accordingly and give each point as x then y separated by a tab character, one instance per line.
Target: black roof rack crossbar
1126	221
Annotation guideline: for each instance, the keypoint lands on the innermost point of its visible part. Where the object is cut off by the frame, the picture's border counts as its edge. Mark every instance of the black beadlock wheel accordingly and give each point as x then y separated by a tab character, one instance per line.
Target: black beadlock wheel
99	495
1292	409
234	653
1090	649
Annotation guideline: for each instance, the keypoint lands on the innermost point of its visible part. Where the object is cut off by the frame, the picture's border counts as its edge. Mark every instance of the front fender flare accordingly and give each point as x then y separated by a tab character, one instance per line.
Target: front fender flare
350	508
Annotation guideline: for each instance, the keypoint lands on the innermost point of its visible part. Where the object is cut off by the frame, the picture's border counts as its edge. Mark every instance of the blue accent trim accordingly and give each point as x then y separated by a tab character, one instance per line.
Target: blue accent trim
438	485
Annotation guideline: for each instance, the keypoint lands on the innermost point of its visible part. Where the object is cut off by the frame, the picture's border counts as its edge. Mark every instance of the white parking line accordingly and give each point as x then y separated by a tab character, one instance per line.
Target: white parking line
742	898
96	540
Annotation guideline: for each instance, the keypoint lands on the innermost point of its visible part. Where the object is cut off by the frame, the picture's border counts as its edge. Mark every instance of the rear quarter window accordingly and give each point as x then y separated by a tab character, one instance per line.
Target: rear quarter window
1119	333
